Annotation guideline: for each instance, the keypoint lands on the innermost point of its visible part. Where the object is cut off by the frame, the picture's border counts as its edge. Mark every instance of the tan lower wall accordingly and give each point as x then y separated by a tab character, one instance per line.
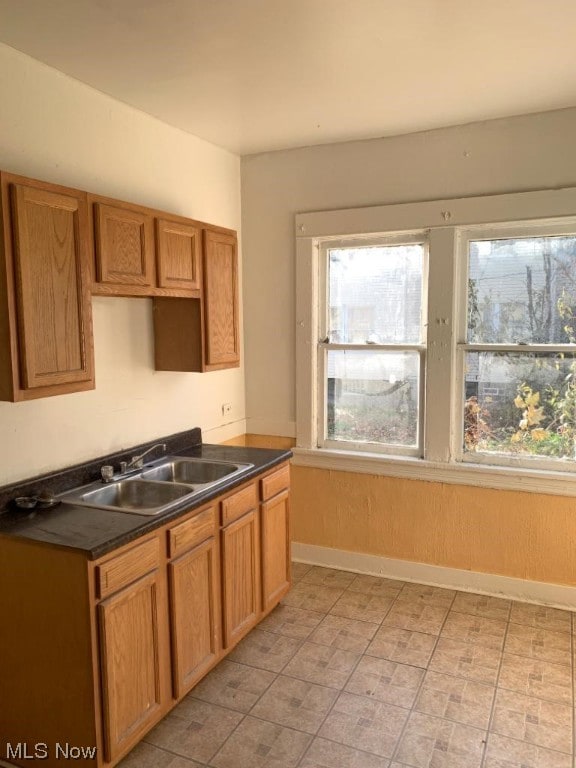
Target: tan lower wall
238	440
525	535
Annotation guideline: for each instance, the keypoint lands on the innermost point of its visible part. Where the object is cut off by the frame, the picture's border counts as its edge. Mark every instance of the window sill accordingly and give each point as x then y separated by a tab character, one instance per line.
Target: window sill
505	478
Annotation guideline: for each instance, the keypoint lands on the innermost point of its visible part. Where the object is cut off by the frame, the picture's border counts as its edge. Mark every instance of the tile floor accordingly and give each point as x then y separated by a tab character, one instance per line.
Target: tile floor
361	672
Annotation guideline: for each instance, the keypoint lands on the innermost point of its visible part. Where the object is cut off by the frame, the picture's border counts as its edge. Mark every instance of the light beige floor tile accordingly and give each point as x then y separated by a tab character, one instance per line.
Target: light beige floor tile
312	597
299	570
147	756
456	698
287	674
290	621
544	723
541	617
475	630
538	644
474	662
417	617
502	752
355	605
232	685
259	744
365	724
328	577
194	729
422	593
376	586
536	678
402	645
346	634
482	605
295	704
430	742
322	664
265	650
328	754
386	681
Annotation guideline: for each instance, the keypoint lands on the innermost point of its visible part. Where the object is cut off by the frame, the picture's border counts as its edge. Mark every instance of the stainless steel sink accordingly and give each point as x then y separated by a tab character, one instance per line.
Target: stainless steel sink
195	471
138	496
157	487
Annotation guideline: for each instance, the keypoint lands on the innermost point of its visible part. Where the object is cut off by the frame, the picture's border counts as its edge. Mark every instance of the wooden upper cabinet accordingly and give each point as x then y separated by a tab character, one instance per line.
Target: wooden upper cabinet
178	256
45	317
123	248
141	252
222	335
212	338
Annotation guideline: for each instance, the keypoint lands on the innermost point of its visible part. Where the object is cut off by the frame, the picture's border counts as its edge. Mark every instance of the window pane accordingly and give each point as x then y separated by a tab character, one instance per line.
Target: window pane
520	404
373	397
522	291
375	294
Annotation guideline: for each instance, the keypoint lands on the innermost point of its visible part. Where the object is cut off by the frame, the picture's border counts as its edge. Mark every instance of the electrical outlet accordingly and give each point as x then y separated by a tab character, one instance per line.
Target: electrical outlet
226	409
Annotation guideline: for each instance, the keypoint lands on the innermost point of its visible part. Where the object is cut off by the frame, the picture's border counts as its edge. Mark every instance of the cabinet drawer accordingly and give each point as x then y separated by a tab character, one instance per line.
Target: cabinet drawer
127	567
276	482
238	504
192	532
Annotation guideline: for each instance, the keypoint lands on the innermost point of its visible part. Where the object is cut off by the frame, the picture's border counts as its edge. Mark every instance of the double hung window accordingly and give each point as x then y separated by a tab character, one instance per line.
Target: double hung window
452	341
372	353
517	346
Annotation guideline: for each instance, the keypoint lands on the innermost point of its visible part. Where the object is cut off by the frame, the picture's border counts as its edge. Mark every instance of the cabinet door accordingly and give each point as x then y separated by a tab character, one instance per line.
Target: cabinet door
50	238
195	614
178	257
240	577
135	662
124	246
275	535
222	340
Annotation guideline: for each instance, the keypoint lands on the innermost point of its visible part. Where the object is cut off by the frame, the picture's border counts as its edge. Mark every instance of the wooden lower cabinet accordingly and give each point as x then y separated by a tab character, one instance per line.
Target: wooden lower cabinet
134	662
240	577
275	534
95	653
195	608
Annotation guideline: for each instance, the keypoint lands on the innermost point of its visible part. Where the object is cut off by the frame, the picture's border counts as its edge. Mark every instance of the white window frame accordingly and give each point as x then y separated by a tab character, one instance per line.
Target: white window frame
324	345
512	230
444	221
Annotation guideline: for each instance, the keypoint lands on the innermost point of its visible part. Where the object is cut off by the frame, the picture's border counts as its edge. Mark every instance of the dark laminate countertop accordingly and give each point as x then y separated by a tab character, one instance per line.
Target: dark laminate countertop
96	532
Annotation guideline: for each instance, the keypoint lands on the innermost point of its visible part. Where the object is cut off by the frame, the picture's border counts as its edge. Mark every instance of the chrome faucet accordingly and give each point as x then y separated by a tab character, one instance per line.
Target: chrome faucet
127	467
136	462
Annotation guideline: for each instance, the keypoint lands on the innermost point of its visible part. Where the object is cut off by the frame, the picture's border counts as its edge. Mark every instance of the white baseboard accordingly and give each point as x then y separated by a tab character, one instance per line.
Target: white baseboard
540	592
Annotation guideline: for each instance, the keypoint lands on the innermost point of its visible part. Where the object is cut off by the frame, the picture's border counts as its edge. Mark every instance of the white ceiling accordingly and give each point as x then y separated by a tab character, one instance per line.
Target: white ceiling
256	75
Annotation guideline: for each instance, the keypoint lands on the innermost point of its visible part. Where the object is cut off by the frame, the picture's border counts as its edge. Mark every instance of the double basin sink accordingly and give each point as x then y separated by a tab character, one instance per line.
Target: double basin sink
157	487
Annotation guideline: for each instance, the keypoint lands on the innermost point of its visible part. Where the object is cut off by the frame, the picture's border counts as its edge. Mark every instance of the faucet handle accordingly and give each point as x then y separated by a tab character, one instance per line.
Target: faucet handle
123	467
107	472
